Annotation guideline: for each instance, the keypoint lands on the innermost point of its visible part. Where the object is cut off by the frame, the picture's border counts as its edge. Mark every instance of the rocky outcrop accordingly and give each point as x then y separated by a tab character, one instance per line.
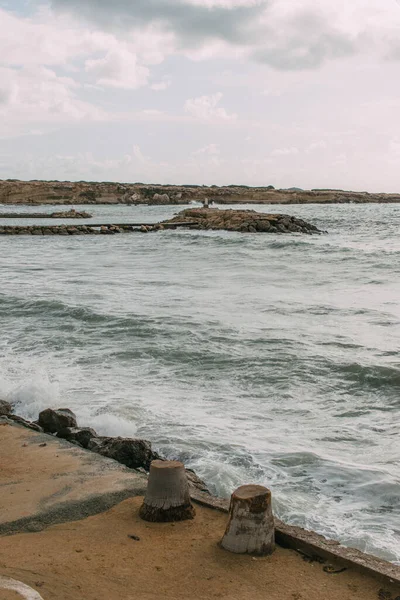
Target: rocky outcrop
132	453
245	221
83	192
53	421
5	408
81	436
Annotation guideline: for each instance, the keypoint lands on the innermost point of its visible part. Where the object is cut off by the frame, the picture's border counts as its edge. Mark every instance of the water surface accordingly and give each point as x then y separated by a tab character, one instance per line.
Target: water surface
254	358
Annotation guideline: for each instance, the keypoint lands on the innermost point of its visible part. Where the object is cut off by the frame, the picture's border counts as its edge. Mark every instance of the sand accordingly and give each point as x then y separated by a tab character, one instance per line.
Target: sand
94	559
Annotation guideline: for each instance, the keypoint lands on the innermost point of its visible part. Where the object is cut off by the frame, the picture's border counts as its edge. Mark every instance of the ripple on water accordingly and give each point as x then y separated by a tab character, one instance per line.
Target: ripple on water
269	359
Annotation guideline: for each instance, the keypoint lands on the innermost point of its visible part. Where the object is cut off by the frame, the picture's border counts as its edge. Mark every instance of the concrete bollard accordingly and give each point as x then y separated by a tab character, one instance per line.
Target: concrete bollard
167	496
250	528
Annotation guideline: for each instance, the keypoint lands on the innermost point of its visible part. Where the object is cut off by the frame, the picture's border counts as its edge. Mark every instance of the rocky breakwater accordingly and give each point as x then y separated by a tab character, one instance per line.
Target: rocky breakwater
245	221
66	214
66	229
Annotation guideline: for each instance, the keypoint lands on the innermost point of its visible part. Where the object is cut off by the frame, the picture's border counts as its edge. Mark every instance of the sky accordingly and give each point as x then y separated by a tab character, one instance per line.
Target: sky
215	92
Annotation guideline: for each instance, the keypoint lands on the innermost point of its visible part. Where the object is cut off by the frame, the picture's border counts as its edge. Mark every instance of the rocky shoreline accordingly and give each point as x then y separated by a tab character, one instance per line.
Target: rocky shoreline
82	192
133	453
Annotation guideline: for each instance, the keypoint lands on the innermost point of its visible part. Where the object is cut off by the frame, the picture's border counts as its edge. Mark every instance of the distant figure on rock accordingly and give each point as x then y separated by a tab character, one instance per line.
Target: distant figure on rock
205	203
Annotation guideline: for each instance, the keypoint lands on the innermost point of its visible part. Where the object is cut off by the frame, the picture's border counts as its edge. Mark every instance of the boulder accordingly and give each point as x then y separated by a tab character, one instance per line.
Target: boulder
130	452
79	435
53	421
5	408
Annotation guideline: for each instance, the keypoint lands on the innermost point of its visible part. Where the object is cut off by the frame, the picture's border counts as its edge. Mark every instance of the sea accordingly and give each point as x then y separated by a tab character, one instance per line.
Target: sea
253	358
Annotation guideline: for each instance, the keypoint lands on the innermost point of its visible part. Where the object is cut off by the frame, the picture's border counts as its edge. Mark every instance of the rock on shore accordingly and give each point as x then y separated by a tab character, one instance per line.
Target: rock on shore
246	221
134	453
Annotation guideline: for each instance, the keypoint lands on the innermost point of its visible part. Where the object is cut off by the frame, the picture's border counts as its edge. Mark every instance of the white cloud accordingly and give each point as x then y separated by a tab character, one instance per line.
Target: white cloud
37	95
160	86
316	146
118	68
206	108
210	149
285	151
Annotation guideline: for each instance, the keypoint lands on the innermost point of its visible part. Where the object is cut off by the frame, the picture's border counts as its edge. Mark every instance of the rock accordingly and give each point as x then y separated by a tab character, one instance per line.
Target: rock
5	408
130	452
80	435
161	198
53	421
263	225
196	482
246	221
25	423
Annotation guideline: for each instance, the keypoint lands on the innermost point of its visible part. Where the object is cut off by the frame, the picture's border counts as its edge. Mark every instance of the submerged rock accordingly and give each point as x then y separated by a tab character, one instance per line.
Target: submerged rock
245	221
130	452
5	408
80	435
53	421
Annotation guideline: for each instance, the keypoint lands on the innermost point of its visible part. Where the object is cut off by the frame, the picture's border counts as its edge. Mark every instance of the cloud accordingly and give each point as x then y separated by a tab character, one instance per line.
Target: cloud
317	146
285	151
210	149
285	34
118	68
192	21
160	86
39	95
206	108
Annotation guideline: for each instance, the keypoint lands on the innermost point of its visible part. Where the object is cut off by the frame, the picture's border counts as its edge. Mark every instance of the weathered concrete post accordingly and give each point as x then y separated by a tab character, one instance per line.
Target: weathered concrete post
250	528
167	496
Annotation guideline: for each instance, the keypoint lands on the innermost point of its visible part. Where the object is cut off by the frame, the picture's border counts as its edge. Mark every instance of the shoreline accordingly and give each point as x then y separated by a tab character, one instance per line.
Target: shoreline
34	193
135	456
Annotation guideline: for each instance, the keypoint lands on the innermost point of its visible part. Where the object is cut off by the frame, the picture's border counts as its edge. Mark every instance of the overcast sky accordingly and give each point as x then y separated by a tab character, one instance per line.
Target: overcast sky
285	92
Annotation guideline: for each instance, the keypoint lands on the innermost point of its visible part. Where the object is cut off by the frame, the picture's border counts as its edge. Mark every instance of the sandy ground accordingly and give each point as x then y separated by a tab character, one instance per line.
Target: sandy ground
44	481
95	559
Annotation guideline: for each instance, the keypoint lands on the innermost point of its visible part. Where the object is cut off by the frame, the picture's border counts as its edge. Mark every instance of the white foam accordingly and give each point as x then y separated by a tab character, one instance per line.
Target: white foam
32	395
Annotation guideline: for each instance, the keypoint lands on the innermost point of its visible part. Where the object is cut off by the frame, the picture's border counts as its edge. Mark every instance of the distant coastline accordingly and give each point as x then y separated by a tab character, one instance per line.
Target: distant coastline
34	193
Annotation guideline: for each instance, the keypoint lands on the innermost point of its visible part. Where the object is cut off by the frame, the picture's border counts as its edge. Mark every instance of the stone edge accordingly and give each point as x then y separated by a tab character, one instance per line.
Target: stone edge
313	545
308	543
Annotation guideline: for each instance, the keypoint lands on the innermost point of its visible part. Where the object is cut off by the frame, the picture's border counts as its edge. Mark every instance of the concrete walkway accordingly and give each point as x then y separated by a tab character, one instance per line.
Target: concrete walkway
71	531
45	480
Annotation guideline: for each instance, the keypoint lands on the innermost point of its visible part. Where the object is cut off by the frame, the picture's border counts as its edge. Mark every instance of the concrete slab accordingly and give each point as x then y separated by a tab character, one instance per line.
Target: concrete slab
45	480
97	559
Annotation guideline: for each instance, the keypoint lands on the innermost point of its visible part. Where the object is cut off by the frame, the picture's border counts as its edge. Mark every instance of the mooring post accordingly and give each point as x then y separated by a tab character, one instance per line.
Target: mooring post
167	496
250	528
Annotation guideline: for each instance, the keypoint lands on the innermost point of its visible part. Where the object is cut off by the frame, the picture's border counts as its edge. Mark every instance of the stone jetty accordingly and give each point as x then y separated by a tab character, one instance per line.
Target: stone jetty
65	214
243	221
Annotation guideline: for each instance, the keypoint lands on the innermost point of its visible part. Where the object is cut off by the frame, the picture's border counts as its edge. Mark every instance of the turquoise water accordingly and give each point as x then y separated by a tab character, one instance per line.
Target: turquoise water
254	358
